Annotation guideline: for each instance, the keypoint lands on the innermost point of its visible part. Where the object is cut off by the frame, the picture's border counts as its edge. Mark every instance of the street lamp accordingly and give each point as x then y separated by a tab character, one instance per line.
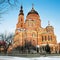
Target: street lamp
37	47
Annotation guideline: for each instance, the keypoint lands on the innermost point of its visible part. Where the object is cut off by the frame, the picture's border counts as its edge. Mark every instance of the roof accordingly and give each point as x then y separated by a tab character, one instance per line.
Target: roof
33	11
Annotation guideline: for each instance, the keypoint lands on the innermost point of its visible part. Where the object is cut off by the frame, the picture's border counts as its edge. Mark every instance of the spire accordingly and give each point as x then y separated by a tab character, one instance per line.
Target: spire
32	6
21	10
21	7
48	23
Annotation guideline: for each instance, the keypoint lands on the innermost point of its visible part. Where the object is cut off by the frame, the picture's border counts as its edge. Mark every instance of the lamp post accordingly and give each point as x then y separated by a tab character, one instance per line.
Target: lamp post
37	47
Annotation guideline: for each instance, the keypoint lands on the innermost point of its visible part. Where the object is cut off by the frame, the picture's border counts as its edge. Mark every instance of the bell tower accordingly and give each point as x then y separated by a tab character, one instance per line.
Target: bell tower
20	24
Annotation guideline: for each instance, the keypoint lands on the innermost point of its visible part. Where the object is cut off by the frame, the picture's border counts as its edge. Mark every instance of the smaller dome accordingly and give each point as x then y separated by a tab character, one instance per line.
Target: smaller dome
49	26
50	29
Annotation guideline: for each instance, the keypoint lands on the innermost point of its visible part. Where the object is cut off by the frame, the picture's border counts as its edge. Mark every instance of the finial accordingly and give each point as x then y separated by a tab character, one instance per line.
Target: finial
21	7
48	23
21	10
32	6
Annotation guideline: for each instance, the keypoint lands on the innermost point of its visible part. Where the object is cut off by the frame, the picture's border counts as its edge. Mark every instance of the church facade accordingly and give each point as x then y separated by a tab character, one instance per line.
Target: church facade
31	30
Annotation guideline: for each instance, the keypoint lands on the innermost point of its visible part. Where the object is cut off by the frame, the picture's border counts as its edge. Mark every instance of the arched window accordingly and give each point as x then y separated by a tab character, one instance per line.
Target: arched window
48	37
51	37
30	23
45	38
21	19
33	35
21	25
42	38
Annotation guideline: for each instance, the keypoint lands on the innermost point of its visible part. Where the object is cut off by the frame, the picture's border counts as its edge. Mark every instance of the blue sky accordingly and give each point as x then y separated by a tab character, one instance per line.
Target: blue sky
49	10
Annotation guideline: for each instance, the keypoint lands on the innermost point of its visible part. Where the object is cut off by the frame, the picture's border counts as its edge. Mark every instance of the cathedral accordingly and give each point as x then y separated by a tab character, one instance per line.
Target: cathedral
31	30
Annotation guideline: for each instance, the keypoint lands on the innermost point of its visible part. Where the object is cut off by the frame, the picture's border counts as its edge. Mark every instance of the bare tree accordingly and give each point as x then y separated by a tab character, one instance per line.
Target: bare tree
8	39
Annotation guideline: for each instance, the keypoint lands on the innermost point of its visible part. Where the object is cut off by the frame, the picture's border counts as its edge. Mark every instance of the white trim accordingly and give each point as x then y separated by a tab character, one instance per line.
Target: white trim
46	44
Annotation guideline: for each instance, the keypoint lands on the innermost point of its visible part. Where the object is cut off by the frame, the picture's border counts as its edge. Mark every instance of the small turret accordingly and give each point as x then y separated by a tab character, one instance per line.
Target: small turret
49	28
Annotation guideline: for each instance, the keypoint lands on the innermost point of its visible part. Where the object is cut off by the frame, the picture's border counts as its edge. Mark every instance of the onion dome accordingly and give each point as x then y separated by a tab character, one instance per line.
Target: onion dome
33	11
21	11
49	28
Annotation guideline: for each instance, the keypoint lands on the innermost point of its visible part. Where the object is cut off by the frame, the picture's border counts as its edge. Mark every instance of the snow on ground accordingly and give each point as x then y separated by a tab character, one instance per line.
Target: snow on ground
23	58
